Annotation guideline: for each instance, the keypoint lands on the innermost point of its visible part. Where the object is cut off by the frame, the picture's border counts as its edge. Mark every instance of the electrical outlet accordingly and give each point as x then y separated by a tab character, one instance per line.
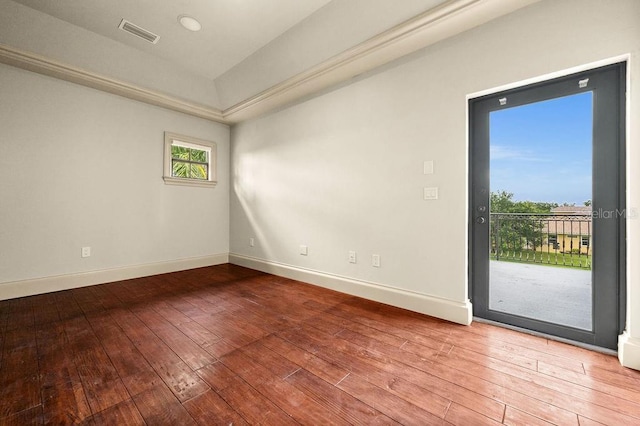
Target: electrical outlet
252	242
375	260
86	251
353	257
304	250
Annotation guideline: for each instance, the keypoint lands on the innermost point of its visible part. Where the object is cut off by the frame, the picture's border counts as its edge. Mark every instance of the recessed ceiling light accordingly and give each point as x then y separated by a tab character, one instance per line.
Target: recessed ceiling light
189	23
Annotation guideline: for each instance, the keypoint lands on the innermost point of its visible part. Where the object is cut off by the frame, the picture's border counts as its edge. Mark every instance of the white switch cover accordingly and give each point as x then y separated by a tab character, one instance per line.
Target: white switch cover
86	251
431	193
428	167
252	242
353	257
375	260
304	250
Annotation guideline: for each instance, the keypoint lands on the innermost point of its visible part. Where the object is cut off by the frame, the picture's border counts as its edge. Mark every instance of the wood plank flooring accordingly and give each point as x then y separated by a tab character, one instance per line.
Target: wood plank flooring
228	345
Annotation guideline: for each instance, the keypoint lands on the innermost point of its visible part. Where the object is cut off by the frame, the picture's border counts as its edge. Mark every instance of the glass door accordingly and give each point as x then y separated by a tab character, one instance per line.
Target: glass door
540	210
547	200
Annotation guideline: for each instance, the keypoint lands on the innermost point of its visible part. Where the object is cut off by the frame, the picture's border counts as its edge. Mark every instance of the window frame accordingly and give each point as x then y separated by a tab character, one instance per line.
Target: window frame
171	139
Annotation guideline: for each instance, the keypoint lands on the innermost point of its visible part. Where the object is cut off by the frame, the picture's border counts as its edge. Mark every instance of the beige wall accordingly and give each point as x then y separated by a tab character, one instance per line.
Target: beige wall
79	167
343	171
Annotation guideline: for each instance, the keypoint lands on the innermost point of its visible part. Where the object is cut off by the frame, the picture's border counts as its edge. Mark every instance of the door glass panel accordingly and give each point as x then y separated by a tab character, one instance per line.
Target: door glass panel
541	247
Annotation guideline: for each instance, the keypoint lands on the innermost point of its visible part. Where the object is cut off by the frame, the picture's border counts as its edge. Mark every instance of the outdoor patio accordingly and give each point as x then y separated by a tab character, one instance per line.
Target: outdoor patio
548	293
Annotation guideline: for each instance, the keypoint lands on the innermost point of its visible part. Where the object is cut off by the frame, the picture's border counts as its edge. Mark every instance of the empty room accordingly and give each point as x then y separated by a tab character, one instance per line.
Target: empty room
320	212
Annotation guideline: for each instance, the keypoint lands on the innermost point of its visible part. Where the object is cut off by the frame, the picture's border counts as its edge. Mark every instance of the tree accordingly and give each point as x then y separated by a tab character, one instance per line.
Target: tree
189	162
502	202
511	228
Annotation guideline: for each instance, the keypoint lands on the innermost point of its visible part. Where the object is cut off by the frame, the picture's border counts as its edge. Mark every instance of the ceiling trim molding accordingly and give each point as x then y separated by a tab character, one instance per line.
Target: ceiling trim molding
39	64
449	19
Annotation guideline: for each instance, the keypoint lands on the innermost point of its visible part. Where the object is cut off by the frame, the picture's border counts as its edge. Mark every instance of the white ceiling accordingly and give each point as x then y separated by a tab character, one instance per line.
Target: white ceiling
251	56
231	29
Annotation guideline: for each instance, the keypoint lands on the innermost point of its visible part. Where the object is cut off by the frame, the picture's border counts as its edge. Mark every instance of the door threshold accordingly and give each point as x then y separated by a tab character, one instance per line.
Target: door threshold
583	345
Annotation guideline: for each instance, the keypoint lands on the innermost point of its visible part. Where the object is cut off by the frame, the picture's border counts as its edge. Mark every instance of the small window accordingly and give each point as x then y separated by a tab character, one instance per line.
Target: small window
585	241
189	161
552	239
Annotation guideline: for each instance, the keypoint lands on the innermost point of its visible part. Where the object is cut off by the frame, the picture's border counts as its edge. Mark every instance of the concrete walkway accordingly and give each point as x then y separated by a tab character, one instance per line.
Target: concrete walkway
547	293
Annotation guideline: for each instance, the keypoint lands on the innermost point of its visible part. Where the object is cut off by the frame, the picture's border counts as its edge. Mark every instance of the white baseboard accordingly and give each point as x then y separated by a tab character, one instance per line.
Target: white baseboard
629	351
458	312
14	289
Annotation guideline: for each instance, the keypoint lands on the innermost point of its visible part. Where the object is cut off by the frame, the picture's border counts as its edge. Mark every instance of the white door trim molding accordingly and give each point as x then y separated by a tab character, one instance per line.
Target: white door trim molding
629	351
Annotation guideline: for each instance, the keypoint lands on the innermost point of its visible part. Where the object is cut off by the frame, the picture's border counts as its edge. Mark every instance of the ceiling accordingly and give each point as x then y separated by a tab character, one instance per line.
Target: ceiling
250	57
231	29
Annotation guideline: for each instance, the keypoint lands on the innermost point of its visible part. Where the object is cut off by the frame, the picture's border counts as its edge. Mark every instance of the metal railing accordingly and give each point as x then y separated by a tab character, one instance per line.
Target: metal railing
551	239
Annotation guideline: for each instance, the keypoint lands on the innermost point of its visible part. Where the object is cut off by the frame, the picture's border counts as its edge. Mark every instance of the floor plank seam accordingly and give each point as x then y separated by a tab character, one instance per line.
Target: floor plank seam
341	380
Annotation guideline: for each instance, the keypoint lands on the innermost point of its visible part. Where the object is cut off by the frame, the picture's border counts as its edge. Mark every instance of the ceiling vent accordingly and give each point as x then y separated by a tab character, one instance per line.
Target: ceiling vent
138	31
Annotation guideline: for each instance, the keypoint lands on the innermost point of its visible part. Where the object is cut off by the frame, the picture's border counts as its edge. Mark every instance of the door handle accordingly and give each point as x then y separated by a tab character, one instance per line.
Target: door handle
481	219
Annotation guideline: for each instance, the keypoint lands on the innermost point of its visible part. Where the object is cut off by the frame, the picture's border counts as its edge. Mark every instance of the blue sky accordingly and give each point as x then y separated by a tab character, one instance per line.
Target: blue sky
542	151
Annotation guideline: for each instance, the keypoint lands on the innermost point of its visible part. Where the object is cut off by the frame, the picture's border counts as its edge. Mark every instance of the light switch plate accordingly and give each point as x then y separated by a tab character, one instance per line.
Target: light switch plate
428	167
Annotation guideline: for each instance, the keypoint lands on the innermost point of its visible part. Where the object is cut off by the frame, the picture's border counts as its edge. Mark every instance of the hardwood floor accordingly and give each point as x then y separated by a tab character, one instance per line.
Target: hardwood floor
228	345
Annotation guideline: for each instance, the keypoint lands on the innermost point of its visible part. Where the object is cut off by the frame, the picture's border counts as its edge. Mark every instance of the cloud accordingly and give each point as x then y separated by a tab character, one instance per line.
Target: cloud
501	152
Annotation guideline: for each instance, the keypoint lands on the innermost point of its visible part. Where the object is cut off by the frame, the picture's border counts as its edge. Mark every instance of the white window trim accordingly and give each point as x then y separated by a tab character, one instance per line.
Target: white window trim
189	142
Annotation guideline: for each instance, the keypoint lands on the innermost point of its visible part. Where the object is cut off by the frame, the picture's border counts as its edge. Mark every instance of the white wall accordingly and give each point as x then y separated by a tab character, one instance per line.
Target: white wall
79	167
343	171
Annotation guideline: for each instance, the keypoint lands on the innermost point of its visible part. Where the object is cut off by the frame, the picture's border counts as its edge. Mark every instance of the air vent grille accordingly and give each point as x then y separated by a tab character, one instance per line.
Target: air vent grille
138	31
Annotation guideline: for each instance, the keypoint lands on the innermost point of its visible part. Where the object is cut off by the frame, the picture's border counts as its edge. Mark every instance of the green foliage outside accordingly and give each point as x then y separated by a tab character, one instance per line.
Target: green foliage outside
502	202
189	163
516	234
519	238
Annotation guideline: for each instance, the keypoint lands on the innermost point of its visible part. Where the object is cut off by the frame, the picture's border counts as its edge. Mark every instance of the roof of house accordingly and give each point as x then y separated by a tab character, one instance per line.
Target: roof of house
566	225
580	210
